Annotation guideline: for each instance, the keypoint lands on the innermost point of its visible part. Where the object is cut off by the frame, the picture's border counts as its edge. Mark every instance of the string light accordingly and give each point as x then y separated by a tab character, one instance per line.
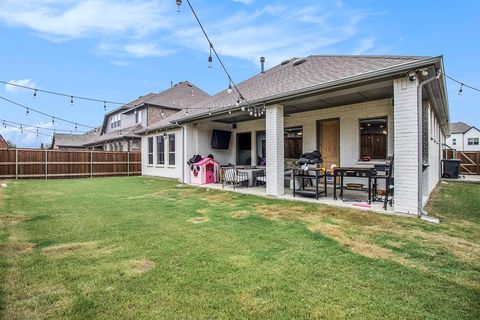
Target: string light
23	130
45	114
104	105
35	94
27	112
210	59
71	100
53	120
462	84
35	90
229	90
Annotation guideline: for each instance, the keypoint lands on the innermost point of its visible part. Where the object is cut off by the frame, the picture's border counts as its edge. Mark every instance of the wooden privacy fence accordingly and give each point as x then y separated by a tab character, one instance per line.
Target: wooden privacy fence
46	164
470	160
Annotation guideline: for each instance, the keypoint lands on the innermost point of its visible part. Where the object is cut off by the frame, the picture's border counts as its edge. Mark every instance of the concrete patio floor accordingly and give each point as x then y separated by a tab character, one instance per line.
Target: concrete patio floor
353	199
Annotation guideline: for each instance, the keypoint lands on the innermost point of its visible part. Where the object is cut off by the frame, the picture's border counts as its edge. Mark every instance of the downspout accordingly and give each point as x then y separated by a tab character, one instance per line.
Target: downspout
420	138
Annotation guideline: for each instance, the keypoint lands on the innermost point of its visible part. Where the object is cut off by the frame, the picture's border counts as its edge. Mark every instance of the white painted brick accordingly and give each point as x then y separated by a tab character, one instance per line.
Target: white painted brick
275	150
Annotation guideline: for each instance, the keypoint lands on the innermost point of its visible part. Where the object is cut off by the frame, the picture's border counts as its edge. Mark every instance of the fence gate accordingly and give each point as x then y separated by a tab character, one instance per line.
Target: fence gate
470	160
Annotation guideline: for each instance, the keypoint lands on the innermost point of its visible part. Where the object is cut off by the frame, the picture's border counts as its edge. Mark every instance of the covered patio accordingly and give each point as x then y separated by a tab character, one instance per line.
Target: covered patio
346	126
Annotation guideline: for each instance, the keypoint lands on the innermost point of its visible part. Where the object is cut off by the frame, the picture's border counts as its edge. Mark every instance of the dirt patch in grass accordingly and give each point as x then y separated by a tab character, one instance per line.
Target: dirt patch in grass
241	214
65	248
201	211
12	219
138	266
14	247
276	212
197	220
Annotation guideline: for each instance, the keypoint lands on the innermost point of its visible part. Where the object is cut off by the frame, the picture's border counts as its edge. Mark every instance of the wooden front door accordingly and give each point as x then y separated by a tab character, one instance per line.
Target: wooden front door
329	142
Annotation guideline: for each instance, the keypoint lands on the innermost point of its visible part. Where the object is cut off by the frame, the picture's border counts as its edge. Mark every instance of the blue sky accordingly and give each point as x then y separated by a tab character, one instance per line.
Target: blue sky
119	50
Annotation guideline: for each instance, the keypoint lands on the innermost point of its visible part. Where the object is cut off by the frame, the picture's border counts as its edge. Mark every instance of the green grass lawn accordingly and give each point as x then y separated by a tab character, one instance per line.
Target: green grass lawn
142	248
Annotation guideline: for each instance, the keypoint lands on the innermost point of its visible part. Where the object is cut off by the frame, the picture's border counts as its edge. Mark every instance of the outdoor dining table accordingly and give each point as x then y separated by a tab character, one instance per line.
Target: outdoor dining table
251	173
352	172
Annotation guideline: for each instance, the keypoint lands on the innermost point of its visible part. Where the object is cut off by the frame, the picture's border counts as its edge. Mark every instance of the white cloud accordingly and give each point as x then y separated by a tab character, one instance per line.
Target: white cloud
62	20
280	31
22	82
149	28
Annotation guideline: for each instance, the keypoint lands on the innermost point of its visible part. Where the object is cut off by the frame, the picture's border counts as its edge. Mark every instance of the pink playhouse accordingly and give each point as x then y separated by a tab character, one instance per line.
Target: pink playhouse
204	171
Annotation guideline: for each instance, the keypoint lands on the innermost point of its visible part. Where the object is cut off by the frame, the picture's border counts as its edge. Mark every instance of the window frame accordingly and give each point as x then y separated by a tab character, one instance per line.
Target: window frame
138	116
360	153
170	152
150	150
474	141
160	150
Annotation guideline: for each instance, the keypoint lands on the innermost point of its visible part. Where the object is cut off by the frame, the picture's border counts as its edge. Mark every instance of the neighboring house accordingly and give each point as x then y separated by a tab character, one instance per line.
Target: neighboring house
463	137
344	106
70	141
3	143
119	126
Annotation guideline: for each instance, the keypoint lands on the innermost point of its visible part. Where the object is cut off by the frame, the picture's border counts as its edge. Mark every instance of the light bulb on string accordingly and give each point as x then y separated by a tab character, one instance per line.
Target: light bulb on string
461	89
237	104
210	59
104	105
71	100
209	111
179	3
21	129
53	120
229	90
37	132
76	127
35	93
186	111
28	112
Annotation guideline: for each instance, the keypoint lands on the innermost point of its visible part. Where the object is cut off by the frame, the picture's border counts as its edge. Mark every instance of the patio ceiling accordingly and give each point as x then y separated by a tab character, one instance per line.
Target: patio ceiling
368	92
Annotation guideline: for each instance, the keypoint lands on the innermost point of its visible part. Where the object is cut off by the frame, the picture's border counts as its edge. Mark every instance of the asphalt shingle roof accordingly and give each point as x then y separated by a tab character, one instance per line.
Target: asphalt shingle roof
290	76
459	127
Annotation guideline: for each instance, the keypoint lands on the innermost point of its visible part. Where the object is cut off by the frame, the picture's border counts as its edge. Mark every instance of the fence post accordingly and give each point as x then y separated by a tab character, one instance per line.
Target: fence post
91	164
46	164
128	163
16	163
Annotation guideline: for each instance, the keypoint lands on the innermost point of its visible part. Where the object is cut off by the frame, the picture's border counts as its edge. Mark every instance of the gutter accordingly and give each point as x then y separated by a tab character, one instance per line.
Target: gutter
381	73
421	212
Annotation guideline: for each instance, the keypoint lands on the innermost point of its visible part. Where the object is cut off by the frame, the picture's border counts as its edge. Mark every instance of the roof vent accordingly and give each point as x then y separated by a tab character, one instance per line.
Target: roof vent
285	61
299	61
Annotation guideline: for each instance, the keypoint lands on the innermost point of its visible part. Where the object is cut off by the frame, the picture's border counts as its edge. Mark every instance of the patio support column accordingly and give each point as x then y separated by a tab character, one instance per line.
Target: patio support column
405	127
275	150
189	149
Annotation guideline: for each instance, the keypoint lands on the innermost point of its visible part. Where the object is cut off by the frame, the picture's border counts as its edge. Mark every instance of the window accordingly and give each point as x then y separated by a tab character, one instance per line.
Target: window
454	141
160	150
115	121
171	149
293	143
138	116
373	138
150	150
472	141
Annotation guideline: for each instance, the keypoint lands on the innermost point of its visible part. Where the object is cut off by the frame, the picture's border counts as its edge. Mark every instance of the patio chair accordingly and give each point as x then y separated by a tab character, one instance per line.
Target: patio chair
234	177
260	178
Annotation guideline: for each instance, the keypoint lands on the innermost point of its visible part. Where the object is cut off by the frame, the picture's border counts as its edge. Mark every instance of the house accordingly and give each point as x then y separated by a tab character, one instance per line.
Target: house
118	132
70	141
344	106
463	137
3	143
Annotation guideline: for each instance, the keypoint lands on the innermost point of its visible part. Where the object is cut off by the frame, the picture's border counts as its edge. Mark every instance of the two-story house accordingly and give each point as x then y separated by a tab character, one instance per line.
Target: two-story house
118	132
463	137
